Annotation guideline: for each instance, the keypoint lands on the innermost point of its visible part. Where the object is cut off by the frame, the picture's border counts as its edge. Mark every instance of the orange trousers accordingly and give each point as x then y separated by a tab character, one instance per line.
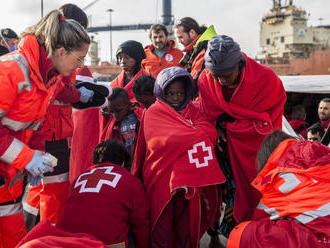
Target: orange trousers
49	199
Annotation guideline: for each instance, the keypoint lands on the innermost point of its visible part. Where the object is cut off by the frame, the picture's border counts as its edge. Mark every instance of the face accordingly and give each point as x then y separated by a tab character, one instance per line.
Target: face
159	40
229	78
175	94
314	137
126	62
145	100
324	111
66	62
119	108
184	38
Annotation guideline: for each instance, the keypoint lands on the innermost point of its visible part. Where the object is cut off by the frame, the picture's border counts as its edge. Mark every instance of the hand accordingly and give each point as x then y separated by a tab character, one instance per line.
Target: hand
39	165
33	180
86	94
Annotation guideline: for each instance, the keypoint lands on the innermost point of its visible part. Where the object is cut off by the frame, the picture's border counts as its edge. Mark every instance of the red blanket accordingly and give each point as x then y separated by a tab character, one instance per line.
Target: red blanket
257	105
46	235
119	82
85	138
177	151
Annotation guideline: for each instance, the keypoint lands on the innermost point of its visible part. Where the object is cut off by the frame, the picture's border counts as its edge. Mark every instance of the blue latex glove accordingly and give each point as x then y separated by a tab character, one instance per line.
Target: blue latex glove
85	94
33	181
39	165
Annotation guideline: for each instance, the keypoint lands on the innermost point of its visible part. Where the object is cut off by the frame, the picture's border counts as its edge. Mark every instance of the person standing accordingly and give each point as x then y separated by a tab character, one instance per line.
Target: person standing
190	34
245	100
162	53
175	158
8	41
324	113
31	76
48	197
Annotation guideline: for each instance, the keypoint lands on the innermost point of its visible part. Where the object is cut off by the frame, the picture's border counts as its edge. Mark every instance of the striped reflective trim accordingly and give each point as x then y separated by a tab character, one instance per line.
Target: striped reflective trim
25	68
274	214
2	113
10	209
16	179
56	179
12	151
314	214
291	182
18	125
57	102
31	210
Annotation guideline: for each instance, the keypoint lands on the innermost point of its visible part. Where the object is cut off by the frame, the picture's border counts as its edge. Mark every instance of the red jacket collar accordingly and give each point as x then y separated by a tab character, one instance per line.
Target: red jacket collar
190	47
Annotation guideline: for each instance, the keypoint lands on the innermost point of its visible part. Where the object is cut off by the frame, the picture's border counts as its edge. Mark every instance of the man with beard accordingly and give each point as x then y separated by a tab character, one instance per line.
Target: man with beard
324	112
162	52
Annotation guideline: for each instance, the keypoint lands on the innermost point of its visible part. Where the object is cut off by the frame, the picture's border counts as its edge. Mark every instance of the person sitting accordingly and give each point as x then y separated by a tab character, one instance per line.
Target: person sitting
175	158
294	209
124	121
106	201
315	132
143	90
104	204
297	121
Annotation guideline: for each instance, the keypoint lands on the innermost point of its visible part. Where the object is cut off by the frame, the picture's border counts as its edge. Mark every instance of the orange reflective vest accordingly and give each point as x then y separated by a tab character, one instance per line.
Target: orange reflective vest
24	100
153	64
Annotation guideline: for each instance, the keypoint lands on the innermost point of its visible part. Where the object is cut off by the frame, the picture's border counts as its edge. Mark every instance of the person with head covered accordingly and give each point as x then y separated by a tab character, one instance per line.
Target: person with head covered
175	157
245	101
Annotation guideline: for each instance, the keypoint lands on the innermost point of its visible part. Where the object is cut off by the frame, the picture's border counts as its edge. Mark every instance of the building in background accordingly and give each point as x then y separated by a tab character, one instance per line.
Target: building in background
289	45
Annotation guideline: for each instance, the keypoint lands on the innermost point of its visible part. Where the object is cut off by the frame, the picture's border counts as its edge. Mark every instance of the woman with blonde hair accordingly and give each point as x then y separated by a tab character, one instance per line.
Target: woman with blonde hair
29	80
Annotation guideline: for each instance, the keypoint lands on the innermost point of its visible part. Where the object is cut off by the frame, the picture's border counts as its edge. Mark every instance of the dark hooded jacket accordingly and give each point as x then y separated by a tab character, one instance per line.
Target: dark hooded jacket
166	76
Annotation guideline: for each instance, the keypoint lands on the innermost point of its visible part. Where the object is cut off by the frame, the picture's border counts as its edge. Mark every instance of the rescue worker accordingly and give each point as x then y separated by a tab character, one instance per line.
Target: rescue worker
162	53
294	209
8	41
194	38
30	77
47	198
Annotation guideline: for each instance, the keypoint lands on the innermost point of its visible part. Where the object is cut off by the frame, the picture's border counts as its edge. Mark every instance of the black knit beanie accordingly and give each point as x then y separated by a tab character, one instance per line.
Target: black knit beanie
133	49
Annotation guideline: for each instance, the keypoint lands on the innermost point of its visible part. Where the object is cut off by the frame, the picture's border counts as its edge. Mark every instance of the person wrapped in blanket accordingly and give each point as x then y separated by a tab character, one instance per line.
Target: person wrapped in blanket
175	157
246	101
294	209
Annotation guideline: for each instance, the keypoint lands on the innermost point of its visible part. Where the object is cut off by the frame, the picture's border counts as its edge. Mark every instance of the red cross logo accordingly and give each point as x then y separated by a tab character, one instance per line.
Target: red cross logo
203	154
93	180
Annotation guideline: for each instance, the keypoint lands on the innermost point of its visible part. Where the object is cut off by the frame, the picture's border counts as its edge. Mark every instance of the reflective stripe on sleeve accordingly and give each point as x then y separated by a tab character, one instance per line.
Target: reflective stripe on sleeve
291	182
31	210
11	209
57	102
18	125
16	179
24	66
314	214
12	151
2	113
56	179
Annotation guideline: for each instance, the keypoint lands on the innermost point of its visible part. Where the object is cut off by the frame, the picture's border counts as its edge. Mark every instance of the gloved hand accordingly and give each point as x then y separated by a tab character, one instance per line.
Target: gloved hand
85	94
39	165
33	180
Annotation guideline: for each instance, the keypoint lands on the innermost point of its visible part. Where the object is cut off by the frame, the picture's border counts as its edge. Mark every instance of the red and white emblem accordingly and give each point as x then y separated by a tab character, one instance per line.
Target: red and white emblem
200	152
169	57
93	180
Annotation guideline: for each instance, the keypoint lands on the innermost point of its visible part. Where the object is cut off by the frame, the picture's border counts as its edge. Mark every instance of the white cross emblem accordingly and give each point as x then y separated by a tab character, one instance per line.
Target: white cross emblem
105	180
205	159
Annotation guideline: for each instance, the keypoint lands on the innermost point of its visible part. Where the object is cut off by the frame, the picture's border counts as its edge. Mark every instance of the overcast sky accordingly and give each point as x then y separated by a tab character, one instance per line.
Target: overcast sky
239	19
